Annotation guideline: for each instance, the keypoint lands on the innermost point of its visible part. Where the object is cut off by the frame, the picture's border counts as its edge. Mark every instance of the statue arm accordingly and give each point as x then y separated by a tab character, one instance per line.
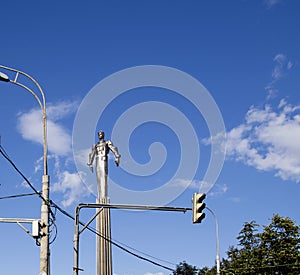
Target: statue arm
91	157
115	152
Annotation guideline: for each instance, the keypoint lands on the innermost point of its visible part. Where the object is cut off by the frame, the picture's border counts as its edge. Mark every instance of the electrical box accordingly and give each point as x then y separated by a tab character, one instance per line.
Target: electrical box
35	229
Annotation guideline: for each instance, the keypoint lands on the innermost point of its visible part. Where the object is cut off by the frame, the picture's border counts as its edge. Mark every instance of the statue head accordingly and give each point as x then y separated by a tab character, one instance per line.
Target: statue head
101	135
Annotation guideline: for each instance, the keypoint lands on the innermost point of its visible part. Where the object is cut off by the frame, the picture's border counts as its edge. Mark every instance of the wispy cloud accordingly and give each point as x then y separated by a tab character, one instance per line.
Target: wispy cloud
281	68
282	64
271	3
234	199
269	140
199	185
218	190
191	184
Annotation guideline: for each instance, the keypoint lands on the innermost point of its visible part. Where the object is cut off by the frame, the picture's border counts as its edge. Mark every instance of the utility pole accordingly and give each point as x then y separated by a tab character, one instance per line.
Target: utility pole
103	245
44	250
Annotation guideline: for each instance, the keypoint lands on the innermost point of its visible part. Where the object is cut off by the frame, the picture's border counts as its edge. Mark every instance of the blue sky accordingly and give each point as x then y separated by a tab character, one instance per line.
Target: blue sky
246	55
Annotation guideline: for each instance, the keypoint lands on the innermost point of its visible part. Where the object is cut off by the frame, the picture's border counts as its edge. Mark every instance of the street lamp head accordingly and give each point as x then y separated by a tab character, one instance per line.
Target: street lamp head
4	77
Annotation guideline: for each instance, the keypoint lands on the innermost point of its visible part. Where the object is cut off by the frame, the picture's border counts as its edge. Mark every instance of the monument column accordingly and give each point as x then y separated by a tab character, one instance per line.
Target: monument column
100	151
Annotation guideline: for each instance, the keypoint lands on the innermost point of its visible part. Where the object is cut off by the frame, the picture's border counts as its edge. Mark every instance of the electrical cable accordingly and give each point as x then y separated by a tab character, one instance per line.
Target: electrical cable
52	219
36	192
130	252
56	233
261	267
141	252
5	155
17	196
114	242
53	227
52	216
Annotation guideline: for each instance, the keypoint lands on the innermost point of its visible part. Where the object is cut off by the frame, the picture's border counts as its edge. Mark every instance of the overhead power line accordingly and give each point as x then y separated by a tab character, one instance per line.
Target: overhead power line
113	242
51	203
5	155
38	193
18	196
251	268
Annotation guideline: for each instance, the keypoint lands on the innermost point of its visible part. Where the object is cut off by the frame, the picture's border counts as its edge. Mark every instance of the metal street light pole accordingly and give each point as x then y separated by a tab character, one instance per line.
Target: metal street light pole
44	248
217	241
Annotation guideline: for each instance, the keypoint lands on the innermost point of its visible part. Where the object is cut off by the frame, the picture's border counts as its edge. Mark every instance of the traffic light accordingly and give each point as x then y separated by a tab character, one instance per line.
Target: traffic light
198	206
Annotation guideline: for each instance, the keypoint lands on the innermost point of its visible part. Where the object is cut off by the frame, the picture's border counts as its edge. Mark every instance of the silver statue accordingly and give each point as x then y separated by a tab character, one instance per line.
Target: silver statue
101	151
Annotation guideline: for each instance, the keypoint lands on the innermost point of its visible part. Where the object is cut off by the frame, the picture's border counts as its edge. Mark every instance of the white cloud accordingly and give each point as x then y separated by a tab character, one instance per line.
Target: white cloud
61	110
59	145
59	139
82	156
269	140
71	185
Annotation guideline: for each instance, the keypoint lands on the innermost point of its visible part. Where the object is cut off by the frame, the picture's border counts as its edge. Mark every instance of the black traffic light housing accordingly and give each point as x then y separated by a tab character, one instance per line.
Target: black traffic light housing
198	207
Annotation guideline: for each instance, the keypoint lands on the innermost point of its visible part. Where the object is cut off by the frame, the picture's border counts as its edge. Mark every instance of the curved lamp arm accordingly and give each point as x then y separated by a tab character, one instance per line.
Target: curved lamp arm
41	102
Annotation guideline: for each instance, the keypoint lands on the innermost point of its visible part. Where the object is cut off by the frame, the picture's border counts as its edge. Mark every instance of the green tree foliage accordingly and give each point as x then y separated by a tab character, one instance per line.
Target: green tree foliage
185	269
274	251
280	247
246	255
